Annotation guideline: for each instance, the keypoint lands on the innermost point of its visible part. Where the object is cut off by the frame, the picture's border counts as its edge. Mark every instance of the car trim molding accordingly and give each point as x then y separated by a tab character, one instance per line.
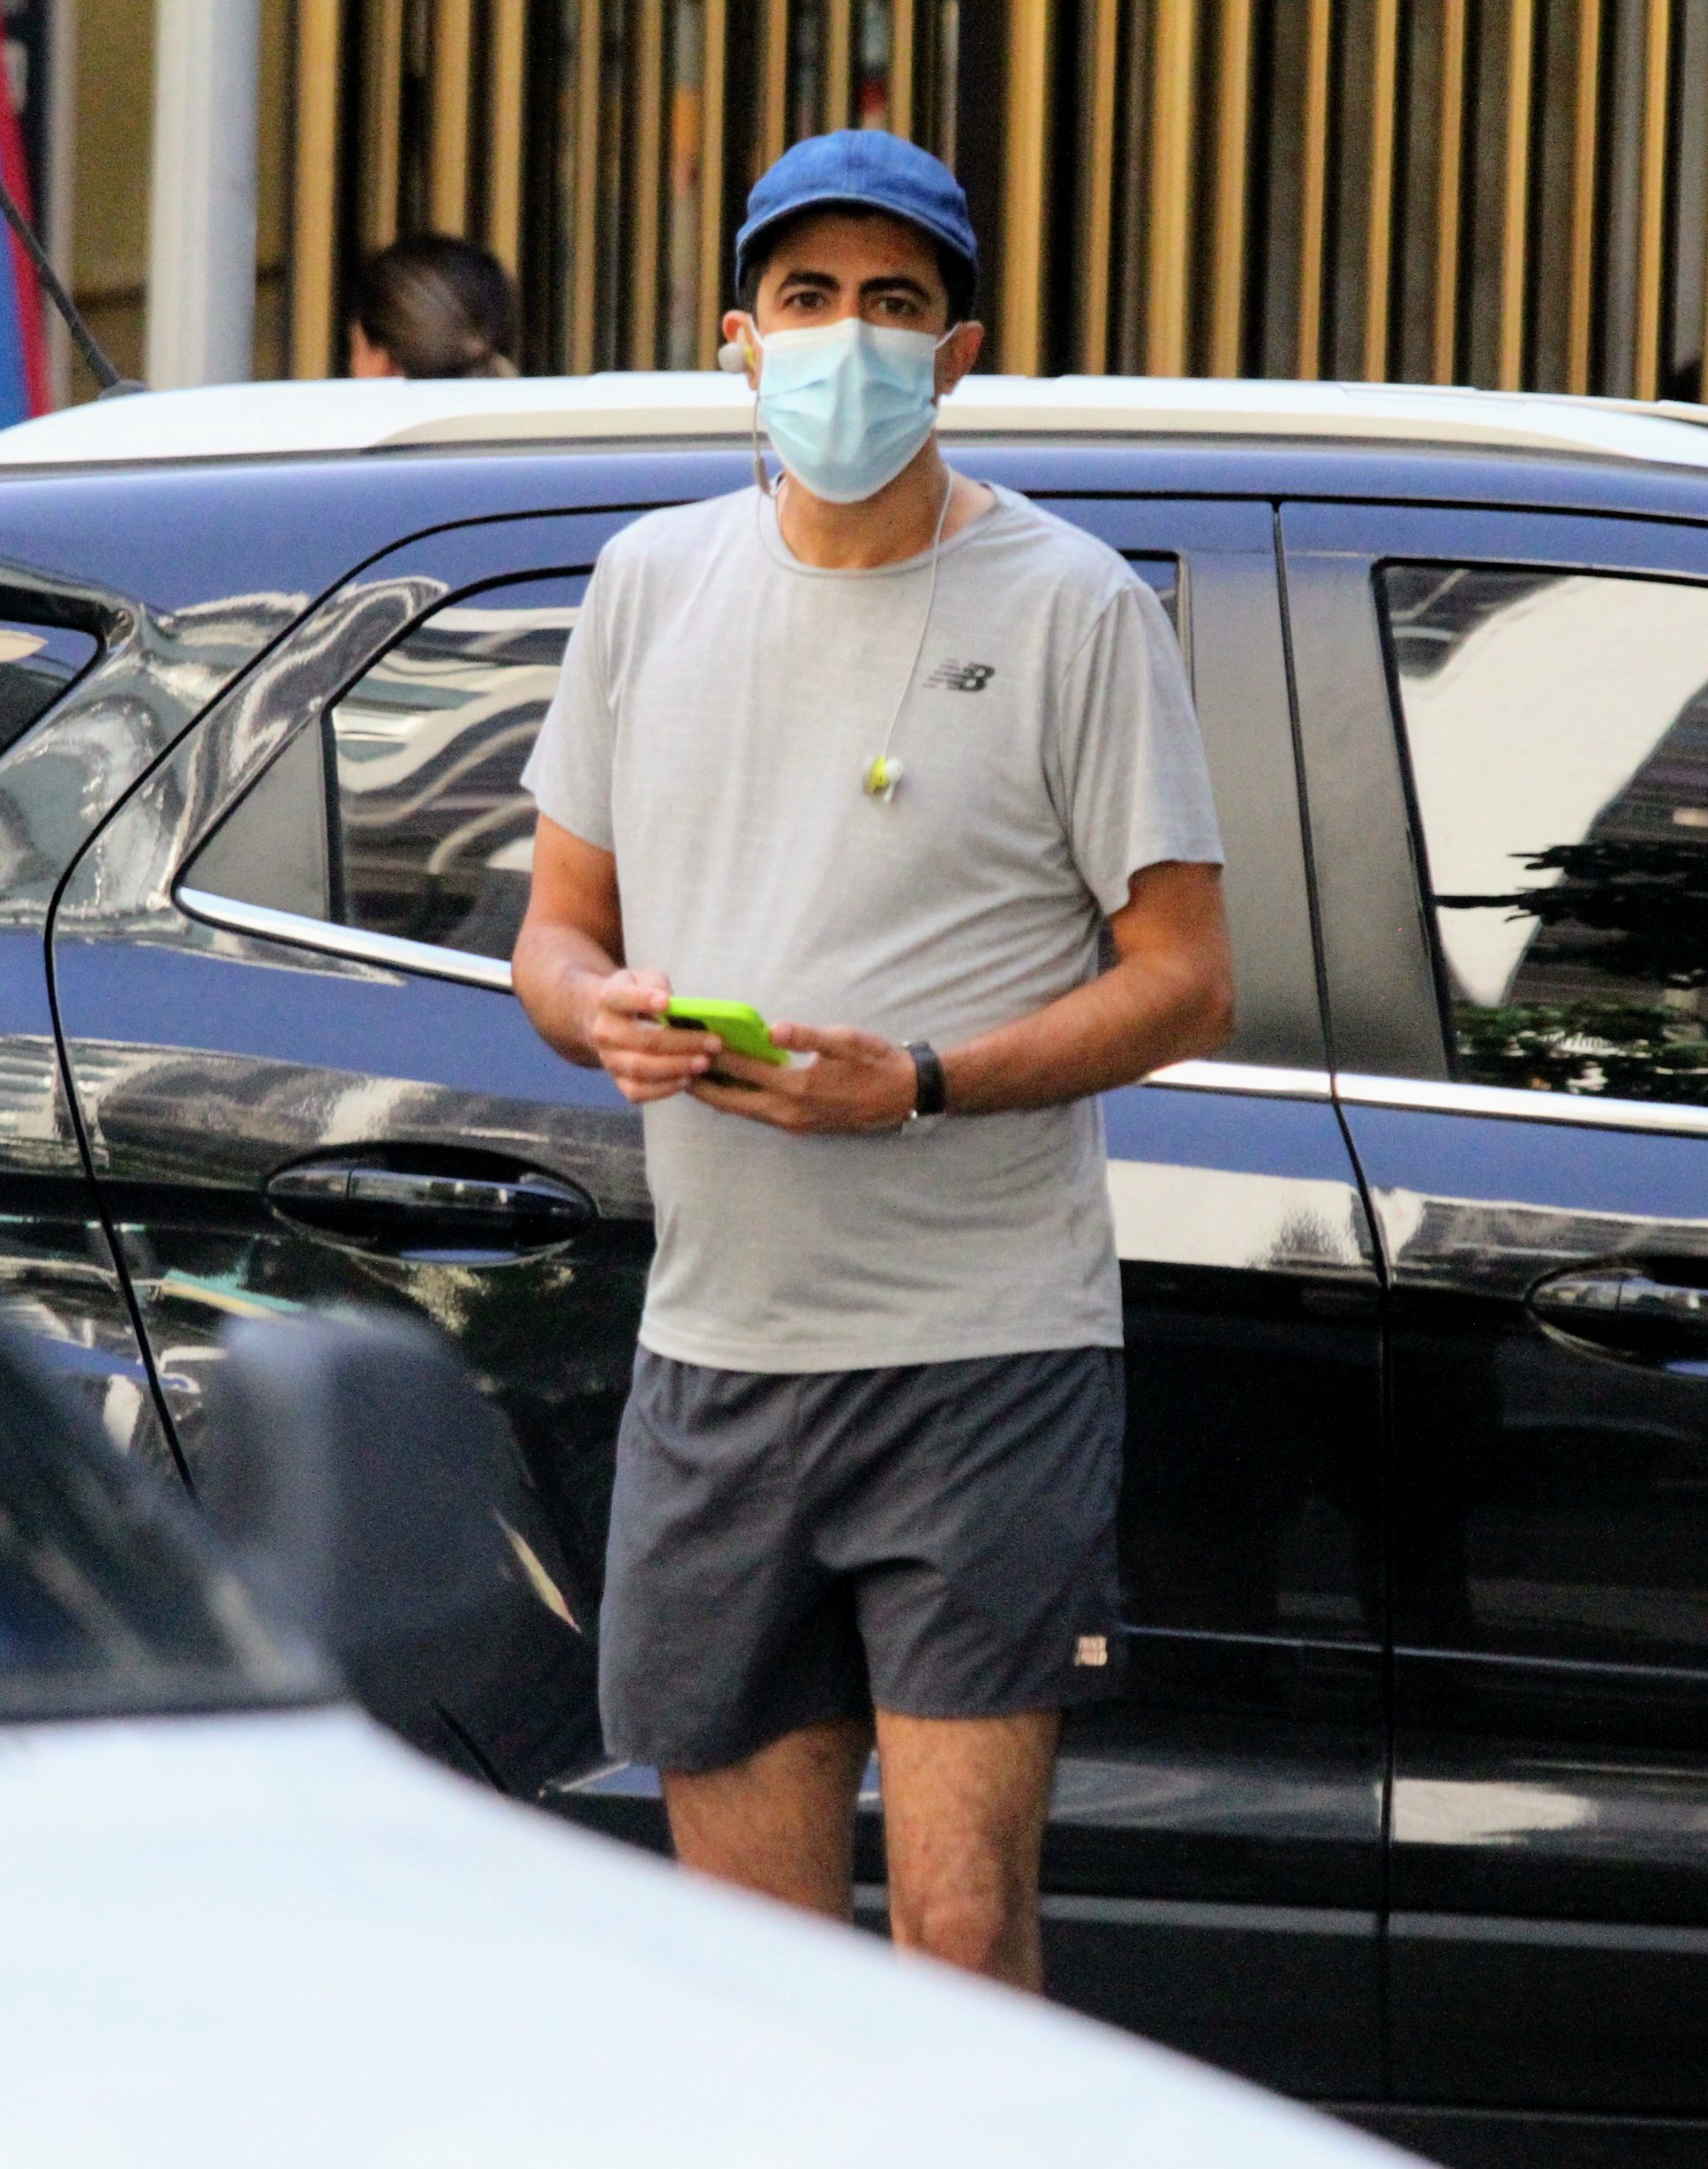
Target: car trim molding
362	947
1273	1083
354	942
1509	1103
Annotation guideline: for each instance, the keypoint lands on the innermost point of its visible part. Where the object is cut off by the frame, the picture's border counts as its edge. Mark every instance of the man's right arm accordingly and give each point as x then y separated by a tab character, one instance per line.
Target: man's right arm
569	973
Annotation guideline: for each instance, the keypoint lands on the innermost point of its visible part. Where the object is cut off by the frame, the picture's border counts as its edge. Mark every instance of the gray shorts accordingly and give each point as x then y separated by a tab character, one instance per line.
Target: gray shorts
937	1539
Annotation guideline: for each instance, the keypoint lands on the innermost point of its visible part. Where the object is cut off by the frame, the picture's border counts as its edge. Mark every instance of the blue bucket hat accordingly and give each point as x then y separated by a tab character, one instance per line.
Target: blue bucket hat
866	167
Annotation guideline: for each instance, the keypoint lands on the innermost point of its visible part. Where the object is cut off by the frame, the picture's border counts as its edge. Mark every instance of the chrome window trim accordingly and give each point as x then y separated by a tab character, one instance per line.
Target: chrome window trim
362	947
354	942
1248	1077
485	971
1512	1104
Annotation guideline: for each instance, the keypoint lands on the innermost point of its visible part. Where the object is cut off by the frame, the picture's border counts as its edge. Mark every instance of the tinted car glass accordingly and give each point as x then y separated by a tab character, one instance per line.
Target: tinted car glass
432	831
405	815
408	818
1556	727
37	663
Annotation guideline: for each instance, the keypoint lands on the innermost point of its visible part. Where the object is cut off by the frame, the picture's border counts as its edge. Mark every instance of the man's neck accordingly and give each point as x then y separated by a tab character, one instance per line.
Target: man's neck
897	524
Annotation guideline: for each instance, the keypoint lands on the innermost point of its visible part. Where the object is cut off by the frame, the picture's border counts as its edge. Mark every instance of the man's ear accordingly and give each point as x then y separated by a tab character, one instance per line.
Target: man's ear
958	355
739	331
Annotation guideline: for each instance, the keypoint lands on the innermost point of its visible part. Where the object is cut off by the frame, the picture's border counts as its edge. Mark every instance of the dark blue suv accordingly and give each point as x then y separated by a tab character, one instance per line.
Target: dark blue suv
1406	1805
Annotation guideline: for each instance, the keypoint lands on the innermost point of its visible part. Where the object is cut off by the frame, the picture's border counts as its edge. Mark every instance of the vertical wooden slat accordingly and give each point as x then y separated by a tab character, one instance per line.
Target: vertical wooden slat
1379	240
1026	203
1651	196
1702	368
382	119
712	105
901	67
648	182
313	252
774	86
1515	218
506	89
1585	146
839	62
1449	198
1314	204
1166	319
447	169
1098	165
584	280
1233	128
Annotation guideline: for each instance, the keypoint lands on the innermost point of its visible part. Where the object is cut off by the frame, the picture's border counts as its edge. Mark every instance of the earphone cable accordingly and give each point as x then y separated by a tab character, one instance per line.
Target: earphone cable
924	627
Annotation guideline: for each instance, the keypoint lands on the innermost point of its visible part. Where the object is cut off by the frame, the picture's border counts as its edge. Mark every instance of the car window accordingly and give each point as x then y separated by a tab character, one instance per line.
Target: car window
431	831
1556	731
37	663
405	815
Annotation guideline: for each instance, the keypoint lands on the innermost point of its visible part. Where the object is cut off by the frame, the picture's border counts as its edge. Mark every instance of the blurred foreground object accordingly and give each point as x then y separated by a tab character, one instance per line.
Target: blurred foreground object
273	1934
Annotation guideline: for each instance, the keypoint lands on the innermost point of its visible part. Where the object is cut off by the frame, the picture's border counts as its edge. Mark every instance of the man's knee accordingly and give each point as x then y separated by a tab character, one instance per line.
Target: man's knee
978	1917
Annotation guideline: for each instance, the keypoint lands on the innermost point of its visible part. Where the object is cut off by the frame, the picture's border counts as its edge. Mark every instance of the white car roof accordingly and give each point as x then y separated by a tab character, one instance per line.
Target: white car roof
274	1940
338	415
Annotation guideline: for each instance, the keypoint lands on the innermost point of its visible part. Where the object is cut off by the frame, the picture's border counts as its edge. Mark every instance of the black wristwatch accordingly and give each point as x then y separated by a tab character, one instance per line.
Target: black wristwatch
930	1087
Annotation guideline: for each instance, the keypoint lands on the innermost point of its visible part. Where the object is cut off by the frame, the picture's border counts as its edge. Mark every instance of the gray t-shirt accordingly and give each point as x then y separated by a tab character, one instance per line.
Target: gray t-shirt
720	703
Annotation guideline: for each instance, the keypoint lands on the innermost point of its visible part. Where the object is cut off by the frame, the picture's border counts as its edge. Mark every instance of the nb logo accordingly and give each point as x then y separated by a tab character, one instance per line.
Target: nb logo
1092	1649
962	677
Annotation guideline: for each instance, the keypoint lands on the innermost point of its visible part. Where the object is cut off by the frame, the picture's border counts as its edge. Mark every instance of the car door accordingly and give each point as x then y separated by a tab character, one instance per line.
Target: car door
1505	723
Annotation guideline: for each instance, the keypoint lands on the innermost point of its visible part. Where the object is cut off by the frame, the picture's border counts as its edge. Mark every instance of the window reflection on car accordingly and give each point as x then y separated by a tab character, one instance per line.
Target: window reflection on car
1557	730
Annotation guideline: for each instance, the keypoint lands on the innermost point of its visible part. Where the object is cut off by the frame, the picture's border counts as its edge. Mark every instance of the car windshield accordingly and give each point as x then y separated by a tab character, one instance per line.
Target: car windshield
111	1601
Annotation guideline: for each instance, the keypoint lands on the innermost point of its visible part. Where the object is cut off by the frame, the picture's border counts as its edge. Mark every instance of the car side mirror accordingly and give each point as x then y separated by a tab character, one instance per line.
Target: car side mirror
360	1479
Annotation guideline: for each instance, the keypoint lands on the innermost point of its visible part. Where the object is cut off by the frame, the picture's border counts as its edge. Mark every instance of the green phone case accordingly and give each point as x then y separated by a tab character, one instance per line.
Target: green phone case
741	1028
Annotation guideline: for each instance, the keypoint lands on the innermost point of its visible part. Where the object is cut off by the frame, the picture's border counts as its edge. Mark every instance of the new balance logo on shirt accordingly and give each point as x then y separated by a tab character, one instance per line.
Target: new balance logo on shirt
962	677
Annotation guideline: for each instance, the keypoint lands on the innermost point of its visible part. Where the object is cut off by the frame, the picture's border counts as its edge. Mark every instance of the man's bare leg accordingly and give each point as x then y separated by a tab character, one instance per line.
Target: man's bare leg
780	1822
965	1803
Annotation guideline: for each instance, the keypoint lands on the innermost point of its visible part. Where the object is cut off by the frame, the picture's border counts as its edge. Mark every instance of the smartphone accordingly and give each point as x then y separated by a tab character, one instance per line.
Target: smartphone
742	1030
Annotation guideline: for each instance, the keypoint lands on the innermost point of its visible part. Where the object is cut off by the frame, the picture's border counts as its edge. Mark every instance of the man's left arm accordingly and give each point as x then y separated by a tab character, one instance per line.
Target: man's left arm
1168	996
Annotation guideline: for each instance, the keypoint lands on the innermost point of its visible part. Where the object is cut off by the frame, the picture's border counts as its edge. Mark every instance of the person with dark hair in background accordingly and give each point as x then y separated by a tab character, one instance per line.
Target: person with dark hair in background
434	306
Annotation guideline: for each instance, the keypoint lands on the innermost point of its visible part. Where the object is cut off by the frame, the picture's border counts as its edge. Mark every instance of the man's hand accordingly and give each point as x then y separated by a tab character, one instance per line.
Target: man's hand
645	1059
854	1082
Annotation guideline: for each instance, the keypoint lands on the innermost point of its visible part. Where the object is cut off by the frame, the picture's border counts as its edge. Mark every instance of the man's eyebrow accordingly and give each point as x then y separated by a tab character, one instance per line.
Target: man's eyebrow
896	283
823	280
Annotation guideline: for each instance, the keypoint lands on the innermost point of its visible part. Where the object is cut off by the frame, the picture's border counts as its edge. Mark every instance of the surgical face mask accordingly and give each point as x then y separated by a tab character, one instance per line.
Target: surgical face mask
848	404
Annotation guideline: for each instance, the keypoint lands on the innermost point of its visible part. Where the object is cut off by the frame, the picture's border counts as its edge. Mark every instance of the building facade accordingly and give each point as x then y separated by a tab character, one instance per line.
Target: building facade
1503	193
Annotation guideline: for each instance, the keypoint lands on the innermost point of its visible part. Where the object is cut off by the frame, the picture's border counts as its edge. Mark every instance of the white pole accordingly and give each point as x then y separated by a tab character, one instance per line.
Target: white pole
61	184
202	241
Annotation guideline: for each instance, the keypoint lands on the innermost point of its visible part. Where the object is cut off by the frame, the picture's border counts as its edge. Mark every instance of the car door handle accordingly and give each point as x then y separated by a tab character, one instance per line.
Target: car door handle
1625	1308
397	1207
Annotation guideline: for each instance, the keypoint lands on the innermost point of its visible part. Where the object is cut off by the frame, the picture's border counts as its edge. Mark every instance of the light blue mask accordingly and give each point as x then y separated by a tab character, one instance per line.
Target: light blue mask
848	404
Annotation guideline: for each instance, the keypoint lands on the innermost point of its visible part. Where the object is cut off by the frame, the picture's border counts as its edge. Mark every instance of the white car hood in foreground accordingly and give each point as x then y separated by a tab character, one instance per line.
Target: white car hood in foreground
286	1940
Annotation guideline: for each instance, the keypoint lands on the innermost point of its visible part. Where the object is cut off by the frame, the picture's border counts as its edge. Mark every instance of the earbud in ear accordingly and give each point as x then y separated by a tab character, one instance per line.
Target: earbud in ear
733	358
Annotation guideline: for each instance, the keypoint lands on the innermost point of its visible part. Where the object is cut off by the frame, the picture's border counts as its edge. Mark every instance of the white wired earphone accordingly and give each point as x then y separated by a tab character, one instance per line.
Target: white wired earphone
883	775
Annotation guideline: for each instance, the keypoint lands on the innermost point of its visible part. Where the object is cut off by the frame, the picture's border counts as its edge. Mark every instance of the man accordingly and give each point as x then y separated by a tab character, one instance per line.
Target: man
879	756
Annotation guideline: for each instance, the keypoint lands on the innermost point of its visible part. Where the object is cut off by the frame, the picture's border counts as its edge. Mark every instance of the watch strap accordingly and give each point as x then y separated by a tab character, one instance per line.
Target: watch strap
931	1086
